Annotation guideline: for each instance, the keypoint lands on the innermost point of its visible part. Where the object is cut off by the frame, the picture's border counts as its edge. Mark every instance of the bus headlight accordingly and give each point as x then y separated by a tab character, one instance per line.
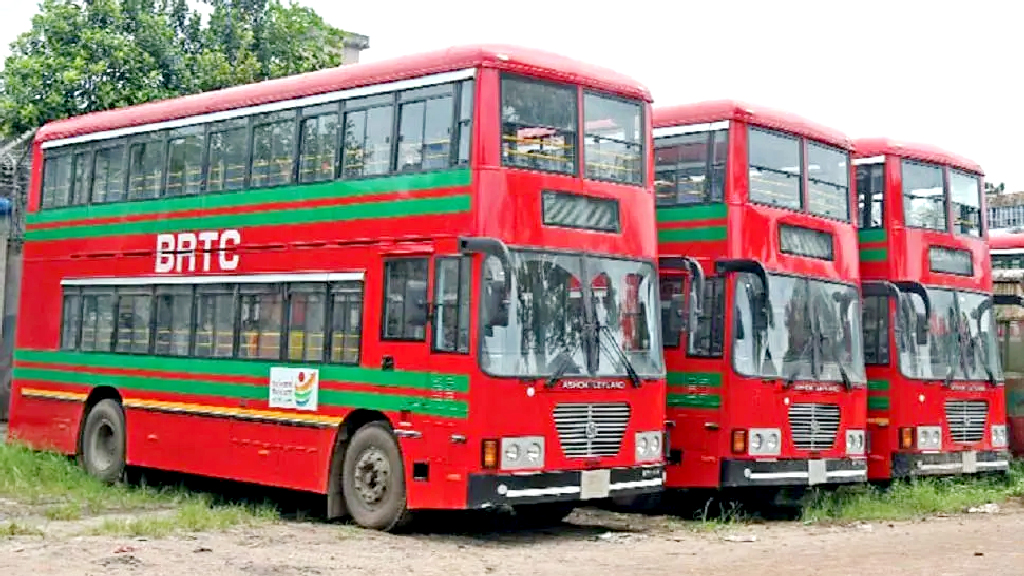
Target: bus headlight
929	437
522	452
999	438
765	442
855	442
648	446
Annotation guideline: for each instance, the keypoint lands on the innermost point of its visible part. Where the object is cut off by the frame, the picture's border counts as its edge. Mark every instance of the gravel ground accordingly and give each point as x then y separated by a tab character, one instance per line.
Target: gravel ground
592	542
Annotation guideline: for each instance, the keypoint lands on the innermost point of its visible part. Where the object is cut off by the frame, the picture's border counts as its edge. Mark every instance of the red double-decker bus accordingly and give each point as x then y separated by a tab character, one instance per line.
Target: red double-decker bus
422	283
935	400
760	298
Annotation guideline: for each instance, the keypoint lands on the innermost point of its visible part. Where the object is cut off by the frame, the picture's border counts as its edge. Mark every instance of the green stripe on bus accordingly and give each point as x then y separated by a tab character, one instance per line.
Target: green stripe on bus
701	379
703	401
871	235
878	403
878	384
361	211
874	254
691	213
337	398
247	368
337	189
699	234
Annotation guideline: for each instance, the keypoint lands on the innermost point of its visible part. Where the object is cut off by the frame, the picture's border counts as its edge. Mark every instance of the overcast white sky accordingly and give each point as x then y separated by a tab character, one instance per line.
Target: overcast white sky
934	71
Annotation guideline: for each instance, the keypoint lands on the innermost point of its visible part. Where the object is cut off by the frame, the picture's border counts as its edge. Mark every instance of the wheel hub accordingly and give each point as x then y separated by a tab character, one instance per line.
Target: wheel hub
103	445
371	476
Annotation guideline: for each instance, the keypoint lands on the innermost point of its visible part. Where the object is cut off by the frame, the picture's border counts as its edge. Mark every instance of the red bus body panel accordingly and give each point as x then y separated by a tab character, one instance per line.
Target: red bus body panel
708	399
899	252
441	422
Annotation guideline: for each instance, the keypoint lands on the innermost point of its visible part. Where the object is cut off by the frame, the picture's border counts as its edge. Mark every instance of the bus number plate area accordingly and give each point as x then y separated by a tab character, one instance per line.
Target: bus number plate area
595	484
970	461
816	472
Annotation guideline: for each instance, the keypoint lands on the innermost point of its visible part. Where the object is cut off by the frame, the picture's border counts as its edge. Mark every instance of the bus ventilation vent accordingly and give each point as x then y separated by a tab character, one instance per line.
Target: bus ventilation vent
966	420
587	430
814	426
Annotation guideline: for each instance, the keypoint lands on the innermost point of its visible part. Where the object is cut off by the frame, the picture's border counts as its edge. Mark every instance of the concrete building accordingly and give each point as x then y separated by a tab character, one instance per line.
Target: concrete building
1005	212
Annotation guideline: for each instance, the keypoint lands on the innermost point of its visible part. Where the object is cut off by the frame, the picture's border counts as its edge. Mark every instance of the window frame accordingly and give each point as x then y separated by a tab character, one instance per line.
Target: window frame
806	160
980	197
285	116
365	104
582	136
800	177
464	280
717	326
864	223
333	289
882	327
388	261
710	166
945	194
317	112
424	95
577	152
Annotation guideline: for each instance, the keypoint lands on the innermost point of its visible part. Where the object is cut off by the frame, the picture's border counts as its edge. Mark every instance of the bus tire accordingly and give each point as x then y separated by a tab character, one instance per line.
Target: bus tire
103	441
373	479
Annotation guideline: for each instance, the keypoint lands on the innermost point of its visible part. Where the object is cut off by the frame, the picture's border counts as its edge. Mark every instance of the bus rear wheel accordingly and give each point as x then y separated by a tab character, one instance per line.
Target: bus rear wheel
373	479
103	441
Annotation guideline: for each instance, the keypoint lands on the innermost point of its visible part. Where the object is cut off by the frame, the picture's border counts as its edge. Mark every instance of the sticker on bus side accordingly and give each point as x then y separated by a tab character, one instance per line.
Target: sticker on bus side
294	388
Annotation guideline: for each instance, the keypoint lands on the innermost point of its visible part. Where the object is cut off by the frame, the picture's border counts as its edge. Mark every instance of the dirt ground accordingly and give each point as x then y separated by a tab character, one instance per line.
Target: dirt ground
592	542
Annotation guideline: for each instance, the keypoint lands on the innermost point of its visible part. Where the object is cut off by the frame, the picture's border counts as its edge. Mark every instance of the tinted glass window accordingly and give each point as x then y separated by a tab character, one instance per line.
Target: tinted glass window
870	195
451	298
273	146
215	321
671	311
708	337
538	125
828	181
227	159
682	164
97	320
465	119
173	320
260	313
965	193
346	321
876	330
108	175
133	323
145	169
425	128
82	177
185	162
612	139
924	202
307	317
319	147
368	136
774	168
405	294
56	181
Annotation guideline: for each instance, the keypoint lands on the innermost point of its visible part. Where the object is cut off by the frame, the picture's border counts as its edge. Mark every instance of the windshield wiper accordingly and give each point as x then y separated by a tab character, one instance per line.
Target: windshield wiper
823	339
567	362
633	376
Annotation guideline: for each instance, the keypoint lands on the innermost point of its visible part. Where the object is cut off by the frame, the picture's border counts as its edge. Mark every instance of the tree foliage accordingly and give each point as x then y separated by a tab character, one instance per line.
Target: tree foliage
86	55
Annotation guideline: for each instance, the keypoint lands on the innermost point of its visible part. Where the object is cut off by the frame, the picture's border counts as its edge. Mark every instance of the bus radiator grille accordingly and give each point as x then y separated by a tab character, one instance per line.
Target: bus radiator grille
587	429
813	426
966	419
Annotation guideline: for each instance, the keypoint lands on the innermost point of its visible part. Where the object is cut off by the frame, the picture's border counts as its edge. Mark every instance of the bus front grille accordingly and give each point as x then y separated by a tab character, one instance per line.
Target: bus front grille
966	419
814	426
591	429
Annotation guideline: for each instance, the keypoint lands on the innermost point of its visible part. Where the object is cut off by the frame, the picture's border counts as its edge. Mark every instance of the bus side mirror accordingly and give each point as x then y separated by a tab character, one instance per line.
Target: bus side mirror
495	298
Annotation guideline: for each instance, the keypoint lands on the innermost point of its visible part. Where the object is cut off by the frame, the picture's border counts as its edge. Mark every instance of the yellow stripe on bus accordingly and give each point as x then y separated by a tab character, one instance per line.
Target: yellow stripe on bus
193	408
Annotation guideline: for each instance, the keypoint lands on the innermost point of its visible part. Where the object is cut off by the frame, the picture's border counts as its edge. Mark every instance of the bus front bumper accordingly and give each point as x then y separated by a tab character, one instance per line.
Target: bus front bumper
793	472
489	490
948	463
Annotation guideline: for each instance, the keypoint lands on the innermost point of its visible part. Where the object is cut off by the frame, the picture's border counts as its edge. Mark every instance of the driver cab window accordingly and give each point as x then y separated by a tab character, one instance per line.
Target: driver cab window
671	311
708	336
405	299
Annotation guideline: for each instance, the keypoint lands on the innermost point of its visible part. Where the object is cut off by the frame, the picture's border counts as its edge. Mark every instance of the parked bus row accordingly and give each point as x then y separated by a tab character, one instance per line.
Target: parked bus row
493	276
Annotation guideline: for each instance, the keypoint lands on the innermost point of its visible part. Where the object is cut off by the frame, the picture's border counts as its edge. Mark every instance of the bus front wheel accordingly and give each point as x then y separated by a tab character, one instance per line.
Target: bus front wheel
373	479
103	441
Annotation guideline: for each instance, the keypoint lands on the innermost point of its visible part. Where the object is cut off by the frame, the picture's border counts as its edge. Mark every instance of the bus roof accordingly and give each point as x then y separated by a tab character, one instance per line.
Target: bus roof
511	58
720	110
870	147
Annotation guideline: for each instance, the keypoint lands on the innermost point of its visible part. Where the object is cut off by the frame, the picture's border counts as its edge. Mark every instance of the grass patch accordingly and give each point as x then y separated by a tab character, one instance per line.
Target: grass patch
64	492
12	529
914	498
191	517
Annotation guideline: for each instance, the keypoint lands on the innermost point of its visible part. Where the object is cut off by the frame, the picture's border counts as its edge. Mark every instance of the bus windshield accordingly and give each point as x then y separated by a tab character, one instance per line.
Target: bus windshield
548	329
959	337
814	332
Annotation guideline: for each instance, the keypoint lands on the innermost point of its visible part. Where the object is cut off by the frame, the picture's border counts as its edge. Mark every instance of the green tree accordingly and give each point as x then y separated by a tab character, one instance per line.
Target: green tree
82	56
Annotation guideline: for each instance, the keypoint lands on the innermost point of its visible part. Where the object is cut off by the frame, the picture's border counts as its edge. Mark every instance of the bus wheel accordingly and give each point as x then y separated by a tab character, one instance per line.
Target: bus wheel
103	444
543	515
373	479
